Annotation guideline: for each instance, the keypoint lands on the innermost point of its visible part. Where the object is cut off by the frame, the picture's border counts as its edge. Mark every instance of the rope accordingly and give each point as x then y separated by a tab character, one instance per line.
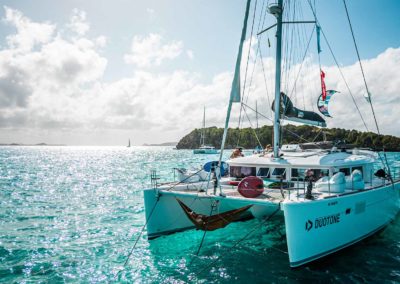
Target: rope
247	64
361	67
291	132
168	189
204	234
242	239
301	65
137	239
265	79
386	165
251	126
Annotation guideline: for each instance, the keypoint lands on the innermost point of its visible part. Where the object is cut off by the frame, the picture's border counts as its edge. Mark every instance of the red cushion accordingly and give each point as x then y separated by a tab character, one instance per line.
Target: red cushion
251	187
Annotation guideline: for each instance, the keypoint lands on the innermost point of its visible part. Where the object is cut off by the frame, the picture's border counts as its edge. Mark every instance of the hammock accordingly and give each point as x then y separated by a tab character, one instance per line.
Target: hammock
213	222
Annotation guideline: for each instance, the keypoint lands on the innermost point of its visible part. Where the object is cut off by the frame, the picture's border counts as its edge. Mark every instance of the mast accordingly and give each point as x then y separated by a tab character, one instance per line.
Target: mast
277	11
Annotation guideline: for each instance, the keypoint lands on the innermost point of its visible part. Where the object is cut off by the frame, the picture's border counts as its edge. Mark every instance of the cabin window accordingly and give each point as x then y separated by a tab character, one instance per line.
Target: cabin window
298	174
279	172
357	168
263	172
319	173
241	172
346	171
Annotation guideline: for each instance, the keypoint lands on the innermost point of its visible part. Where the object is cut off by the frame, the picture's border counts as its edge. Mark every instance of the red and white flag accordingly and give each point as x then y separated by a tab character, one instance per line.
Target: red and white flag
323	86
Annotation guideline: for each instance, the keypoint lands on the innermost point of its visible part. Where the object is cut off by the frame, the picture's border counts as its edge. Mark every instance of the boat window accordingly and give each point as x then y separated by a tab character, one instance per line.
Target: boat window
263	172
279	172
346	171
319	173
360	168
241	172
298	174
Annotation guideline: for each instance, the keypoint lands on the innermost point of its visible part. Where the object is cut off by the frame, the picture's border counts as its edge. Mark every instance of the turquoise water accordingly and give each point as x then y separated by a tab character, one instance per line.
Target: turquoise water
72	214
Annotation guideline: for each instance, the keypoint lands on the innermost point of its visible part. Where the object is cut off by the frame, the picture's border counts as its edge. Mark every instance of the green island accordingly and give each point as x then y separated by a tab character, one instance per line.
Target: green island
292	134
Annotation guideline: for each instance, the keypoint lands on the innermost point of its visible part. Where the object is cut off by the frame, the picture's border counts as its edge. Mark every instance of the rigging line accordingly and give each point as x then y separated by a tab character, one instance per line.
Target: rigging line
319	132
265	80
242	239
289	58
292	50
361	67
304	38
261	14
169	188
337	64
268	55
137	239
286	54
301	65
258	28
286	129
251	126
252	74
204	235
248	59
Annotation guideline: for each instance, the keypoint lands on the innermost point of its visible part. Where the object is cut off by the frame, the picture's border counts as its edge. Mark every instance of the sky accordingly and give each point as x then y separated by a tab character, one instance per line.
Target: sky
101	72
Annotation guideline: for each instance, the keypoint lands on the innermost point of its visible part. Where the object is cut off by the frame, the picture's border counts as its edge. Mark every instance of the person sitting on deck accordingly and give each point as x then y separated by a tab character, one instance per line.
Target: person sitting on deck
237	153
268	148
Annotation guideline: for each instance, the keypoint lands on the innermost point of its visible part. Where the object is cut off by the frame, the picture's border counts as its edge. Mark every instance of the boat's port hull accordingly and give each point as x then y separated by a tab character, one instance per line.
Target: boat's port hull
165	216
320	227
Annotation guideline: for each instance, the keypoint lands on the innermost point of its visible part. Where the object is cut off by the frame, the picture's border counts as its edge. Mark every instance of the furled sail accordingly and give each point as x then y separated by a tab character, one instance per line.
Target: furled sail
291	113
235	89
323	104
213	222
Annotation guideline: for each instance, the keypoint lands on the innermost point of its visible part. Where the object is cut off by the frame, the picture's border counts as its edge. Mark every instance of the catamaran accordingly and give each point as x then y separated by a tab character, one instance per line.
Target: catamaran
328	196
204	149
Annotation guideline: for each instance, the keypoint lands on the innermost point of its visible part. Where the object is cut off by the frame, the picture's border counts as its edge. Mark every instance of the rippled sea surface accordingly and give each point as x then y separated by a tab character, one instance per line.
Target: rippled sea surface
72	214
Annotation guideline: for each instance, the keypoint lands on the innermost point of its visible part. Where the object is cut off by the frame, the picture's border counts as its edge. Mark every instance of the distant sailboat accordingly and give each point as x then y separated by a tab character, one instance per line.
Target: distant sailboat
129	143
204	149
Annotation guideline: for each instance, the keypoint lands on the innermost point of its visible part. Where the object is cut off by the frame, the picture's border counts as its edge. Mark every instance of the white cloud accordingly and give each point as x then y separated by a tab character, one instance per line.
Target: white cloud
28	33
150	50
78	22
42	83
101	41
59	85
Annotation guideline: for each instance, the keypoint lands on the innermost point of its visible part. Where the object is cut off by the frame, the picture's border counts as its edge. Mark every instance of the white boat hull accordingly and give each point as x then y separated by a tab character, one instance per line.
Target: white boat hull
205	151
320	227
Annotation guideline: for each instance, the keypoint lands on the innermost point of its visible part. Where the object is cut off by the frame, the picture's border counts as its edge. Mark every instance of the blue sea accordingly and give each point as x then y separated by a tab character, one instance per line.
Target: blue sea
72	215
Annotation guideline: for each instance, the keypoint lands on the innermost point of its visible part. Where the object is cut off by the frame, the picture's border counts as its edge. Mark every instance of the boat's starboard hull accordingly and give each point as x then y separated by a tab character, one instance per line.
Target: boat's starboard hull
317	228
